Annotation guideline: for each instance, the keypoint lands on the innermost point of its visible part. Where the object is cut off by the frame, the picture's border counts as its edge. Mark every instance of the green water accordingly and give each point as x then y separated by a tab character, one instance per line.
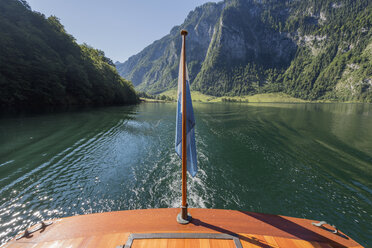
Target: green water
304	160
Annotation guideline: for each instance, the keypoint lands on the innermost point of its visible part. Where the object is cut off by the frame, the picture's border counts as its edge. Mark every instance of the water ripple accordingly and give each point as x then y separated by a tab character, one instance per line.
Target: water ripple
295	160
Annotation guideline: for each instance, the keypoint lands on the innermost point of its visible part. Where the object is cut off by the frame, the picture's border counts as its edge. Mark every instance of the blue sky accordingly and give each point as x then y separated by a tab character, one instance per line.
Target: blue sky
120	28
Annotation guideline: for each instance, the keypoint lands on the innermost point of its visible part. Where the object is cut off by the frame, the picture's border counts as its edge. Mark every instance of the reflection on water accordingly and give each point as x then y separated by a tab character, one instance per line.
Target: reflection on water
304	160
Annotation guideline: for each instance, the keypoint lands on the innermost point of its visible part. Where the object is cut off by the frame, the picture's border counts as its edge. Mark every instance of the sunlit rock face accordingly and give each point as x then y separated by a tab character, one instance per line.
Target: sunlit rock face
228	33
155	68
242	47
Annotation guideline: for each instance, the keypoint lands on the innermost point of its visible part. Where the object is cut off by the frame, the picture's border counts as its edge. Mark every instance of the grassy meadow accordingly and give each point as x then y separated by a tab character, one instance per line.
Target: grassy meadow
267	97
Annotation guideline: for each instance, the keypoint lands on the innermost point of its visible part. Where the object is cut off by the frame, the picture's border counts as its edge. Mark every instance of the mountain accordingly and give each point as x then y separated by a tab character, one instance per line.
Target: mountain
155	69
308	49
41	65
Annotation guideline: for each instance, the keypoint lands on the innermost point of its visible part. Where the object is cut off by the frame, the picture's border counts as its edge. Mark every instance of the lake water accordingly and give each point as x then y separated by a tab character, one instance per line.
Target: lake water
303	160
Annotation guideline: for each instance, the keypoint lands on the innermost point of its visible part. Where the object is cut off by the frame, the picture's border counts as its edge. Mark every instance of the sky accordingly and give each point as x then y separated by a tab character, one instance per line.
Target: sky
120	28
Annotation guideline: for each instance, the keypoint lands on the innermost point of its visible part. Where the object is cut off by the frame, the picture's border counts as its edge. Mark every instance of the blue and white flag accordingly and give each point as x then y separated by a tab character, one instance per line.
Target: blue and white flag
192	166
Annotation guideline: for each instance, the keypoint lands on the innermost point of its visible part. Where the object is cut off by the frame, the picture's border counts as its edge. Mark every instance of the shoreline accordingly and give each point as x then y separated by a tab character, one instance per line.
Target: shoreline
278	97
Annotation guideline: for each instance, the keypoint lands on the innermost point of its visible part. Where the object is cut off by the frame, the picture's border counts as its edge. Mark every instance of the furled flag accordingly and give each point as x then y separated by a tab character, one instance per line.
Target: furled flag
192	166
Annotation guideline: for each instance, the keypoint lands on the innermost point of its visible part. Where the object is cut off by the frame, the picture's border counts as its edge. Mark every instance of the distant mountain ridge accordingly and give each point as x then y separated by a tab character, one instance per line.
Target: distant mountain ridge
156	66
308	49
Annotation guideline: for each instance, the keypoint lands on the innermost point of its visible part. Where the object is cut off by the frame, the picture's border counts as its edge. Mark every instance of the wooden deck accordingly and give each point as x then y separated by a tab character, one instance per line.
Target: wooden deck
250	229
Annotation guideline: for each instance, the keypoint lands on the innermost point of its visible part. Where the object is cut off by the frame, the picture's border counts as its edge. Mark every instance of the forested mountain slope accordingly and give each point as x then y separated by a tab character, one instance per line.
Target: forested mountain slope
41	65
308	49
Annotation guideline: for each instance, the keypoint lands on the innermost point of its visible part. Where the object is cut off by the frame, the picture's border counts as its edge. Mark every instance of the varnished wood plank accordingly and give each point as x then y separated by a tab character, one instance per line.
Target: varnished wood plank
72	242
183	243
162	243
91	241
271	241
246	244
155	243
204	220
214	243
108	240
261	241
253	241
204	243
112	240
172	243
324	245
59	243
138	244
56	243
302	243
192	243
284	242
20	245
85	242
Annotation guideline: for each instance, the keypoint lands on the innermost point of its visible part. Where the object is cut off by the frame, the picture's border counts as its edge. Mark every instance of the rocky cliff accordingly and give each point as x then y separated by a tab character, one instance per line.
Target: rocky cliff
309	49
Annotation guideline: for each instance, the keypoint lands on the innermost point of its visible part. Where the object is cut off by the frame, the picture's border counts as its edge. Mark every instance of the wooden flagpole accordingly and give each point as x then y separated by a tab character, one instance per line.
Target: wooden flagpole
184	214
